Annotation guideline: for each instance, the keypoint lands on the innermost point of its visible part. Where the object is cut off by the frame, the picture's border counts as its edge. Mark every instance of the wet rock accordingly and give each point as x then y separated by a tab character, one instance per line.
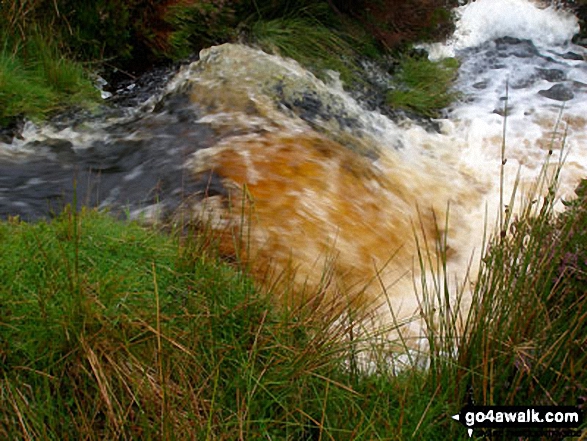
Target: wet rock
558	92
211	184
60	150
480	85
12	130
308	105
517	47
551	75
523	83
503	111
133	91
572	56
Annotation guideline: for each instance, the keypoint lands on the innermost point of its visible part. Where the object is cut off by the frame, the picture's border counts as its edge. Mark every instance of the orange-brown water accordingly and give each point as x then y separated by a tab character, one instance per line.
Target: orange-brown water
310	206
332	213
341	208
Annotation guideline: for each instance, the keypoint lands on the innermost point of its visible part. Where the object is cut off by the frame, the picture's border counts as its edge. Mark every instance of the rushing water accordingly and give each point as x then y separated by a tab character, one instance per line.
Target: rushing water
296	176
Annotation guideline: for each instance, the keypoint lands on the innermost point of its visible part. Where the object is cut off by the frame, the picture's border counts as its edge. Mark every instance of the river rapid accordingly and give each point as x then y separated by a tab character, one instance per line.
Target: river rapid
309	187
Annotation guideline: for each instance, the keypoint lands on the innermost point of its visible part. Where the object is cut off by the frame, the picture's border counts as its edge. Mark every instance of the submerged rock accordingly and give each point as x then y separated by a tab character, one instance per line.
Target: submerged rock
263	92
11	130
572	56
558	92
516	47
551	75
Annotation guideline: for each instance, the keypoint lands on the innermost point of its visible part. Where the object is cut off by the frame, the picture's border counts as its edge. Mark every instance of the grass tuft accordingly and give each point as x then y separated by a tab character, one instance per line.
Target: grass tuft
424	86
113	331
36	80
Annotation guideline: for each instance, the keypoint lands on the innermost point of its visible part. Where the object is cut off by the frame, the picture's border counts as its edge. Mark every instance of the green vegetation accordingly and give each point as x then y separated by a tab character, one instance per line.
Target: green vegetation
310	33
527	338
48	47
36	80
113	331
110	330
36	76
423	86
308	42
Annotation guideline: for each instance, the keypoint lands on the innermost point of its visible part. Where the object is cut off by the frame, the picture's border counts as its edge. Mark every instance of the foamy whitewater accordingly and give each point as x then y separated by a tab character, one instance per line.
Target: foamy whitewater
525	71
512	52
266	152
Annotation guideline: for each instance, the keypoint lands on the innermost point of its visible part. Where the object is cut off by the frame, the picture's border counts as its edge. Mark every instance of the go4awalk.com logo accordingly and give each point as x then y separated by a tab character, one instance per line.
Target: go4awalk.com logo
532	419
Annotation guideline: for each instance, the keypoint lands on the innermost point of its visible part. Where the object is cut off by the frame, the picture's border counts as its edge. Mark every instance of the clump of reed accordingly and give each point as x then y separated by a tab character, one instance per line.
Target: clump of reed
423	86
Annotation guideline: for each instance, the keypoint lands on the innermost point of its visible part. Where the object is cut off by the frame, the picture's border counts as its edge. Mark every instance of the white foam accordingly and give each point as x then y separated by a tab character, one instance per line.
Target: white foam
488	68
486	20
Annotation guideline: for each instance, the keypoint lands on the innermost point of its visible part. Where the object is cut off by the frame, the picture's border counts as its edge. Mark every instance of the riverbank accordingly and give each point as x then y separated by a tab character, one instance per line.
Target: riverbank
120	42
113	330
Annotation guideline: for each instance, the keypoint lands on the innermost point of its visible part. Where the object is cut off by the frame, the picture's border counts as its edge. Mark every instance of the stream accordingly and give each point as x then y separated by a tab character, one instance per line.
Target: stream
295	175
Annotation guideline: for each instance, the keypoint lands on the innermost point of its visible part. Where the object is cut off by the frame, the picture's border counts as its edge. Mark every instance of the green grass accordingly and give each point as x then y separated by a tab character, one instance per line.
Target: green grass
306	41
36	80
113	331
21	92
423	86
528	331
109	330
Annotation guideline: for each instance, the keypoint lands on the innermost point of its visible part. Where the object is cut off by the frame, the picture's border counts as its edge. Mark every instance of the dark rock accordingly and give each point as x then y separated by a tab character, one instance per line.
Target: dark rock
509	41
558	92
551	75
58	149
480	85
133	91
572	56
13	129
310	107
517	47
503	111
211	184
523	83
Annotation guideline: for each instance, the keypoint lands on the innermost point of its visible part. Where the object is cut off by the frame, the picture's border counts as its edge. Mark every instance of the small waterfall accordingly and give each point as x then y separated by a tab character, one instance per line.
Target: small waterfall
328	182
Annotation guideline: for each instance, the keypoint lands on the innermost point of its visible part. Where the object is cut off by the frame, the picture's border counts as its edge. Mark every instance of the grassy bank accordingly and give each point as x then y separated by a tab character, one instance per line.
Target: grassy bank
37	80
109	330
423	86
112	331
